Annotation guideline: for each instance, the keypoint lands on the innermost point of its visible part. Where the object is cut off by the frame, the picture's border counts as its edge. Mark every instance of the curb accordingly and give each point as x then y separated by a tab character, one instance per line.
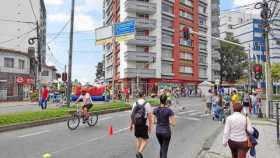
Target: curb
52	121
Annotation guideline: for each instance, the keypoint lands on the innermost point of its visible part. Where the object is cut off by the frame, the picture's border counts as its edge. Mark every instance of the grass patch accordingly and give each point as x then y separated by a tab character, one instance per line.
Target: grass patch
31	116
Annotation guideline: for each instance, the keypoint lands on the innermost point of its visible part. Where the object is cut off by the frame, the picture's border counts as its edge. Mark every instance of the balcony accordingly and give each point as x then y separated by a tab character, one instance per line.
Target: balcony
142	73
144	24
140	7
143	41
139	56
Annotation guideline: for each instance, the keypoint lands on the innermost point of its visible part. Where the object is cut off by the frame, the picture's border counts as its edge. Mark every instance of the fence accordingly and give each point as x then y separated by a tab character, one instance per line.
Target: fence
274	113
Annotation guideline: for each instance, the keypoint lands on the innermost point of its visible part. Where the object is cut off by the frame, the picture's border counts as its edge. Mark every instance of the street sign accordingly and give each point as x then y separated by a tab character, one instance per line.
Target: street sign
125	31
104	35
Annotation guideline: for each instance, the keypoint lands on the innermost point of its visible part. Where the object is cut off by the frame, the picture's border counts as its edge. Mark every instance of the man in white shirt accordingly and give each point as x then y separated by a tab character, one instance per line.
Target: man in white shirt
87	103
141	121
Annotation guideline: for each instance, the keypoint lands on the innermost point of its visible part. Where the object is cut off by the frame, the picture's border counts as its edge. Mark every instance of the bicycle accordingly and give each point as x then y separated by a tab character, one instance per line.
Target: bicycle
74	121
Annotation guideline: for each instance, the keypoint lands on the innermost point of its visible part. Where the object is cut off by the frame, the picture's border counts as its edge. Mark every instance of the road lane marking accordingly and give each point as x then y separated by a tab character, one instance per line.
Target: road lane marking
188	118
34	134
195	113
204	115
186	112
106	118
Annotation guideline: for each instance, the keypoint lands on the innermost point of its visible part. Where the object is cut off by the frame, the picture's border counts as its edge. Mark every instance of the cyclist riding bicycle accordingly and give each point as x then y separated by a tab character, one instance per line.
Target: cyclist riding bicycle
87	104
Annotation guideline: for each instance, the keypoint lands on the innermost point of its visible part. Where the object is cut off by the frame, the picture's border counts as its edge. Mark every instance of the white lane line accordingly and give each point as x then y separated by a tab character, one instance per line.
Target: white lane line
186	112
106	118
204	115
34	134
188	118
195	113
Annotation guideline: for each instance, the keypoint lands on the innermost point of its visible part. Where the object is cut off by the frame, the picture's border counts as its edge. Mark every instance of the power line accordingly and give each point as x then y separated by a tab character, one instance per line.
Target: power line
16	21
18	37
31	5
58	34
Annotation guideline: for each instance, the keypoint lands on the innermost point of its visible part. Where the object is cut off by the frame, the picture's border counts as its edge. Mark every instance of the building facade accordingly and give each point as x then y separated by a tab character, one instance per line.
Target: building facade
16	79
159	56
248	29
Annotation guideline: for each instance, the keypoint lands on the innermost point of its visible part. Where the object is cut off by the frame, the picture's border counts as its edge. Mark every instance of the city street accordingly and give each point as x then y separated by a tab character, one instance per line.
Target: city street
192	130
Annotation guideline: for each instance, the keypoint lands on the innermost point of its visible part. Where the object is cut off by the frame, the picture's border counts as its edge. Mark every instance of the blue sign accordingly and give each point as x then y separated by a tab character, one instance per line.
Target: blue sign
124	28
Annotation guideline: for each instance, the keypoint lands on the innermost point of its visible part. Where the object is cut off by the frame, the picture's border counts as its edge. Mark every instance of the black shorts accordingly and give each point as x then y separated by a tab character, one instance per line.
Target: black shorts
246	104
88	106
141	132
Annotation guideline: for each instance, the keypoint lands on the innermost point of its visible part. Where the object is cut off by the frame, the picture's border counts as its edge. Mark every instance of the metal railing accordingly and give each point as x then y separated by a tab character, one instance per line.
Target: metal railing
274	114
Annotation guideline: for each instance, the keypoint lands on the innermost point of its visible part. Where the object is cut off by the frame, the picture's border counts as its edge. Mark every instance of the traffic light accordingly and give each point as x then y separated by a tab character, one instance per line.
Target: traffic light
258	71
64	76
186	33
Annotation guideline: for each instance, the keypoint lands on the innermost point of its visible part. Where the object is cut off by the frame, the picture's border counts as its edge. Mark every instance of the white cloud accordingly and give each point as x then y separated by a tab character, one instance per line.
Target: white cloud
84	22
58	17
54	2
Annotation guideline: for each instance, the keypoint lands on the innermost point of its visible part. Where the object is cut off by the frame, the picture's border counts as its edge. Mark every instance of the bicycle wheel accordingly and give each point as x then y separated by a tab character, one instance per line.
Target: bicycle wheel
73	122
92	120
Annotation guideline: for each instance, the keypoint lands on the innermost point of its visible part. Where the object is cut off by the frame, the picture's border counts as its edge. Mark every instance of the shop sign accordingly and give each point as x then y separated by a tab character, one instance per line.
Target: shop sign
24	80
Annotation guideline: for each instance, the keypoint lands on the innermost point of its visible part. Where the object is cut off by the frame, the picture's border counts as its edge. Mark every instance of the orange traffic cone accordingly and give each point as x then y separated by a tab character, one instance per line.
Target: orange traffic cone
110	130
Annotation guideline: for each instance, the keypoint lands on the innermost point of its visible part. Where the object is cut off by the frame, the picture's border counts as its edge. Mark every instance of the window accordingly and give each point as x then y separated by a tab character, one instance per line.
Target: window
186	15
278	42
187	2
166	68
230	26
45	73
202	45
9	62
258	34
141	49
140	65
202	20
166	38
186	56
229	34
187	43
21	64
167	23
258	26
140	33
167	8
167	53
230	19
202	59
109	59
202	72
257	46
202	9
186	69
240	20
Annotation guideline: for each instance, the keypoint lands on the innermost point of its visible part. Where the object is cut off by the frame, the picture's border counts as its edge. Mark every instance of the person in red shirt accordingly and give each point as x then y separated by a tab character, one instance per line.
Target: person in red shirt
44	97
126	92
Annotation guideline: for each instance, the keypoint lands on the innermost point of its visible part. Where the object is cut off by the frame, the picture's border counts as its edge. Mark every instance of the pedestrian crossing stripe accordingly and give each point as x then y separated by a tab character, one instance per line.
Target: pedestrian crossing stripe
186	112
195	113
188	118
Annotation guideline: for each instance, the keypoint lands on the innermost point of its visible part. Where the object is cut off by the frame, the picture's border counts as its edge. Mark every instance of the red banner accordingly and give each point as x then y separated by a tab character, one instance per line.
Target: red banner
24	80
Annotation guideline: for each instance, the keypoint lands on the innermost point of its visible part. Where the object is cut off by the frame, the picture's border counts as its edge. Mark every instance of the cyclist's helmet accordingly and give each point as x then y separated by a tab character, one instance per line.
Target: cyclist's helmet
83	91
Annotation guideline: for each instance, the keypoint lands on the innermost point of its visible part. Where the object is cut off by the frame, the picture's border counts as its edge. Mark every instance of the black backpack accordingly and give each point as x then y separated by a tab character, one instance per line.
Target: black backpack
138	115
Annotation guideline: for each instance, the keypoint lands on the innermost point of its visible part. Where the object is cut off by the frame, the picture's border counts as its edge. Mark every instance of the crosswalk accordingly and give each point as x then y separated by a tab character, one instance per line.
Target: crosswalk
193	115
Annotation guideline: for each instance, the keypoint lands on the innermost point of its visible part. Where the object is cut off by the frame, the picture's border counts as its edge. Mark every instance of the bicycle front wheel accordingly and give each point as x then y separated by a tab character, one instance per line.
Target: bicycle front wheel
73	122
92	120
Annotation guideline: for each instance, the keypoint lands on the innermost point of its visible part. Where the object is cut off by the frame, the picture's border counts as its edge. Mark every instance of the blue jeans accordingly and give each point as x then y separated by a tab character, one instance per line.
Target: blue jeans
255	109
44	103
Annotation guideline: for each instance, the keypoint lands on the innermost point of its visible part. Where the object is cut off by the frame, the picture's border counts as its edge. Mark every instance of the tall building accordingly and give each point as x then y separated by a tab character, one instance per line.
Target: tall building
248	29
159	56
18	65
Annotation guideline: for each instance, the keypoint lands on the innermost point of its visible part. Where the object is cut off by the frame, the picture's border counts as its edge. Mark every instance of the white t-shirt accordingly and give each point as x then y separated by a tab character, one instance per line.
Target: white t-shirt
86	99
253	99
148	107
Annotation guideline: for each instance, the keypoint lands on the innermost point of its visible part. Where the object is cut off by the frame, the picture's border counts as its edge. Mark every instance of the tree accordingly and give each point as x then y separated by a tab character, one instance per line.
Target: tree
100	73
275	72
232	60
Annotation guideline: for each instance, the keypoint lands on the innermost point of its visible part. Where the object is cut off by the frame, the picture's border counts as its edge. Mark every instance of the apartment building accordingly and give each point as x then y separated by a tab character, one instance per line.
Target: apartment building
248	29
159	56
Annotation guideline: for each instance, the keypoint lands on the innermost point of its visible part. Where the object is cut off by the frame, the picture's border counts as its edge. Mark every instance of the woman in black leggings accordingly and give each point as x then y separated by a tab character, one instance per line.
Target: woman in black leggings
164	116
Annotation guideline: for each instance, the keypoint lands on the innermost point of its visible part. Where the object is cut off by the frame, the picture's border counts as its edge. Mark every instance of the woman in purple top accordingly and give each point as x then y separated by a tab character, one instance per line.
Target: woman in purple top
163	117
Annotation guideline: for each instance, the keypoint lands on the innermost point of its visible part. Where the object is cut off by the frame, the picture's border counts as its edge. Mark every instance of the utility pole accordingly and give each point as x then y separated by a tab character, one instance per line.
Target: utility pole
250	69
266	14
69	83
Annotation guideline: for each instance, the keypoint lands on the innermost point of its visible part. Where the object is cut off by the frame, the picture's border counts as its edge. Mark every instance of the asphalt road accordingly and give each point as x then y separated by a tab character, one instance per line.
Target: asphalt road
192	129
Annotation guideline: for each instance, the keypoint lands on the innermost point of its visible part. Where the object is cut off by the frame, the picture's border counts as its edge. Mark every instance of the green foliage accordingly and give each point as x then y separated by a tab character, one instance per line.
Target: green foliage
232	60
34	96
275	72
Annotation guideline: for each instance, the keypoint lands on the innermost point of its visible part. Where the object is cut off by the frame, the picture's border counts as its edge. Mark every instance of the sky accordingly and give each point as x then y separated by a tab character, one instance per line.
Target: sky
88	16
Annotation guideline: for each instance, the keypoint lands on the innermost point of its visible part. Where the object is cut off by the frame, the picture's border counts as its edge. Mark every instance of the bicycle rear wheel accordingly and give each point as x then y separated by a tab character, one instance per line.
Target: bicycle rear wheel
73	122
92	120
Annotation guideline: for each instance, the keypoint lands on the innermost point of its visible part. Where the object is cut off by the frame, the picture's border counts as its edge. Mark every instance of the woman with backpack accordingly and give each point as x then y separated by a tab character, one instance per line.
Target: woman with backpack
163	117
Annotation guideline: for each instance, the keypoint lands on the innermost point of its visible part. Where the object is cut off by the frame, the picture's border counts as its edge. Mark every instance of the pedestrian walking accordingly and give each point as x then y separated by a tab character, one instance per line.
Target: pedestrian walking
255	105
141	122
208	98
246	102
236	132
44	97
163	117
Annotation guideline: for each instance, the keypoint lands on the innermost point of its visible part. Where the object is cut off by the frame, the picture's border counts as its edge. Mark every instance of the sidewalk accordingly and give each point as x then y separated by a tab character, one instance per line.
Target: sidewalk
267	146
